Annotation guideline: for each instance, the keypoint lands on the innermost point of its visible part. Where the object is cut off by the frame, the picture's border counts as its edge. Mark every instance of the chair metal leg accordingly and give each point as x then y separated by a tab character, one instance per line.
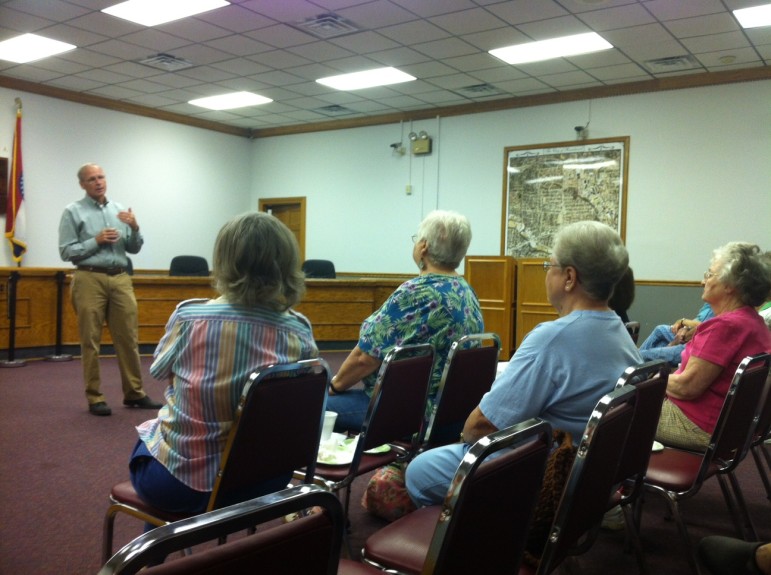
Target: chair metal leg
107	534
633	536
757	451
747	528
674	509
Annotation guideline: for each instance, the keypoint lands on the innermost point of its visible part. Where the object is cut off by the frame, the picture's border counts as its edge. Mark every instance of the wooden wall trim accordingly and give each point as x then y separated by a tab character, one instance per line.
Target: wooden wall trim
119	106
625	89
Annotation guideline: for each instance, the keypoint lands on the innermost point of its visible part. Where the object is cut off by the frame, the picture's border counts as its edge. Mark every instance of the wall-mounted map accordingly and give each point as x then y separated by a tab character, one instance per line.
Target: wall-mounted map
551	185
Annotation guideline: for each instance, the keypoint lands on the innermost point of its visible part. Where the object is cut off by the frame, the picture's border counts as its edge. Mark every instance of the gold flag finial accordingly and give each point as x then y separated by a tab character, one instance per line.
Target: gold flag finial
18	103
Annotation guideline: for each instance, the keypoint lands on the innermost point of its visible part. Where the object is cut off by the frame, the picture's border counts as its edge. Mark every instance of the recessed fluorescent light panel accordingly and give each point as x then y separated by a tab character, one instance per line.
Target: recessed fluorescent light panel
754	17
154	12
30	47
366	79
230	101
554	48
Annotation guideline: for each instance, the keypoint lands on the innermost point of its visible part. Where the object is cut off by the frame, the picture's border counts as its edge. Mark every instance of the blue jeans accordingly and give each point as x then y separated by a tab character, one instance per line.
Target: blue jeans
656	346
351	408
159	488
428	476
661	336
670	353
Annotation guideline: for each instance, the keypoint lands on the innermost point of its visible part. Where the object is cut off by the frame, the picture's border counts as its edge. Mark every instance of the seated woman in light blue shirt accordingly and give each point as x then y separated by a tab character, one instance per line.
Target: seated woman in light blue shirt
562	368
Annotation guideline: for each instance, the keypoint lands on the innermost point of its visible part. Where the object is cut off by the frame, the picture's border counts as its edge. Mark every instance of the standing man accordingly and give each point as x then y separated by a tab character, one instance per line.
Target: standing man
95	234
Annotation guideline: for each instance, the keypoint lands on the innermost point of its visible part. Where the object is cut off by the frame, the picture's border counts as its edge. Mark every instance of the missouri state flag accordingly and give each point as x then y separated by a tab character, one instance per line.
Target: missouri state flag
15	221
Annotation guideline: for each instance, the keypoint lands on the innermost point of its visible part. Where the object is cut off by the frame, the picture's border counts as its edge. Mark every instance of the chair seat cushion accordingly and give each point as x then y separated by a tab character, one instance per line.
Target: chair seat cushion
350	567
675	470
403	544
124	493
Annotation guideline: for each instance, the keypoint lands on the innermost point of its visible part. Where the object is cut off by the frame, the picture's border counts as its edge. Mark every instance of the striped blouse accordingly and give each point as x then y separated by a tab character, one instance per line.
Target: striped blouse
207	353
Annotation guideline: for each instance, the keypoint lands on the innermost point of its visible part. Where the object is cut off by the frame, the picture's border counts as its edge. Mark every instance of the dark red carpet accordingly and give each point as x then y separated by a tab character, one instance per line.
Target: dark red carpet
58	463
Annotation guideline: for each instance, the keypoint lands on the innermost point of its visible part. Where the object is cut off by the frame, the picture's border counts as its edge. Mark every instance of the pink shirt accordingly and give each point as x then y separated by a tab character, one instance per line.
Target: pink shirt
724	340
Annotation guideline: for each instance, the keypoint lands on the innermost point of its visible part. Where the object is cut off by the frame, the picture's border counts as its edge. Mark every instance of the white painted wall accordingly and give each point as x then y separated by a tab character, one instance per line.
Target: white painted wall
183	183
699	176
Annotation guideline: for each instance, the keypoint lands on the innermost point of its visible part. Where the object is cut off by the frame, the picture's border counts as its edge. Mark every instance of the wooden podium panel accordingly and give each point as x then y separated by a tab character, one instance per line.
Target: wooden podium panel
493	279
335	308
533	306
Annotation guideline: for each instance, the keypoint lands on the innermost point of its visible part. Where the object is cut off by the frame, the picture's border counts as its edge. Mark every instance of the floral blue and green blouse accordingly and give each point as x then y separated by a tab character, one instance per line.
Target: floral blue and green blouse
431	308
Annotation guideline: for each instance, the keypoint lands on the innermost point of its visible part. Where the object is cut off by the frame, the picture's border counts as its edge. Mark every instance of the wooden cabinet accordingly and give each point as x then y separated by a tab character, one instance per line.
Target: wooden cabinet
493	279
533	306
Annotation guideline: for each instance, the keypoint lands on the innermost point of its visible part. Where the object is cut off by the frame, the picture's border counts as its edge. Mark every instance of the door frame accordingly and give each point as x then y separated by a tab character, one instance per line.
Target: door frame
265	204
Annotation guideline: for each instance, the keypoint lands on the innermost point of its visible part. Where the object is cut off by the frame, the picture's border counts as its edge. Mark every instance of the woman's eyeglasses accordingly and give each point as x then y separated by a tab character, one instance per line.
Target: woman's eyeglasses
547	265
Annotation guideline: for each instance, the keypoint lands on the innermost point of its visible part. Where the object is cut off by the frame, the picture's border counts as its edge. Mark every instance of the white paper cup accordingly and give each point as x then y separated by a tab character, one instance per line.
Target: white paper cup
329	424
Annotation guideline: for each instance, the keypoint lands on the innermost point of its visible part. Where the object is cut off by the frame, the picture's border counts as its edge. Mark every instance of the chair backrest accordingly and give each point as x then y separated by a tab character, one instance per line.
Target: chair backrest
309	545
188	266
489	507
396	410
650	380
633	327
322	269
739	417
261	445
468	373
592	476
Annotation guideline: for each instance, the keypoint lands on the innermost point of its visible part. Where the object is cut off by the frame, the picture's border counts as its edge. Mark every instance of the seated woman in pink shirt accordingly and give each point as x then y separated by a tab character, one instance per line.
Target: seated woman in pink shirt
737	281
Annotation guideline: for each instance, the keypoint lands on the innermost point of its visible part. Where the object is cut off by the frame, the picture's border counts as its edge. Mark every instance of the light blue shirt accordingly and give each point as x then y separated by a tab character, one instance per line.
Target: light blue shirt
80	224
561	370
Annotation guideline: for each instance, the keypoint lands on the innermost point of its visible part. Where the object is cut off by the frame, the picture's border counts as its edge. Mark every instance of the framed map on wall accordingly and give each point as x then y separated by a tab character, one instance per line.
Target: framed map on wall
550	185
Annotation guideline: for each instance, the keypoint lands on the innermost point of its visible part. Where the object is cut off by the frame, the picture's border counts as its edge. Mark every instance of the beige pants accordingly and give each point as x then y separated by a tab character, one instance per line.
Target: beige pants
97	297
677	430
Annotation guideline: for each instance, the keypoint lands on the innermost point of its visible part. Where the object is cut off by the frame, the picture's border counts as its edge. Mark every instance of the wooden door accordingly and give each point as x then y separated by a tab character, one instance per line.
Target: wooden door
291	211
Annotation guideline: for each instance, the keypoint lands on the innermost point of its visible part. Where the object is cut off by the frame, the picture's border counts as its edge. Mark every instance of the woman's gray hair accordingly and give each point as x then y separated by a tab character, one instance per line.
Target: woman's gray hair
746	268
257	262
448	235
596	251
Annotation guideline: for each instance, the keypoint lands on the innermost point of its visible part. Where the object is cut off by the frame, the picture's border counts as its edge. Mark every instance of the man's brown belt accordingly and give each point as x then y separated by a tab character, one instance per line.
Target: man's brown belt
109	271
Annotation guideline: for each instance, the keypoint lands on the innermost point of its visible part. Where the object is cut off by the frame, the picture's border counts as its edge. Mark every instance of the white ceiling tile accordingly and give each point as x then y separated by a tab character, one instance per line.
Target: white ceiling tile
441	49
669	10
702	25
468	21
712	43
364	42
414	32
522	11
614	18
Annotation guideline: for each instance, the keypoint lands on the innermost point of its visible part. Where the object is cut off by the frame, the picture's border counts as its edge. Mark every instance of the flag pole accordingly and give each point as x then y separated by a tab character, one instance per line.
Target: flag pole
13	279
18	264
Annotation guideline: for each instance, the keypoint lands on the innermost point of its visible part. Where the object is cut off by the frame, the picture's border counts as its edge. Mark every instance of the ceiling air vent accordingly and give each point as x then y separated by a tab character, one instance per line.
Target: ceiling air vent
479	91
672	64
327	26
166	62
335	110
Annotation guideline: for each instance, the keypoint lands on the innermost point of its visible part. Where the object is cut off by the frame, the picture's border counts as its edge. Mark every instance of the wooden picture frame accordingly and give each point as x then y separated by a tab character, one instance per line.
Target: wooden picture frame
547	186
